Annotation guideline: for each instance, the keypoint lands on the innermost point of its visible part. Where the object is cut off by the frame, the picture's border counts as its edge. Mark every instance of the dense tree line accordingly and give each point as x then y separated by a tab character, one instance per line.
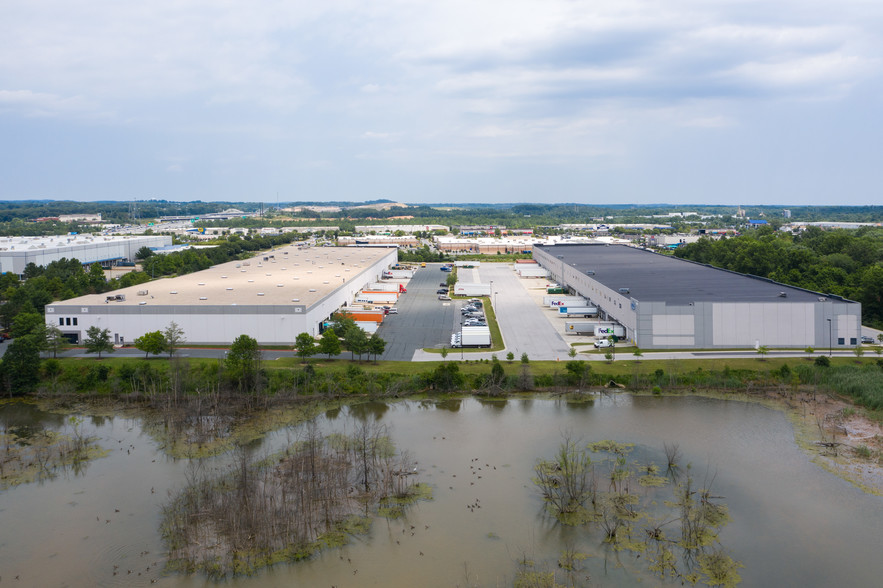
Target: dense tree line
847	263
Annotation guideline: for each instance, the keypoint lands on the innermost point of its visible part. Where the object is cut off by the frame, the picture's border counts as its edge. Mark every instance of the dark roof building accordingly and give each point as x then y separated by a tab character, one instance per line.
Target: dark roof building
665	302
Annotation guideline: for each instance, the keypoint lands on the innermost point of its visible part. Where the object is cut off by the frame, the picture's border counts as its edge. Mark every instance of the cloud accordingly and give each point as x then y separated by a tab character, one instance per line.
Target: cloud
44	104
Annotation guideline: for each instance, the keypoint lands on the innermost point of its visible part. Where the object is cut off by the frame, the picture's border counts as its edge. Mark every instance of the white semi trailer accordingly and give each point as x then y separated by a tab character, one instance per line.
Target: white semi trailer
577	311
475	337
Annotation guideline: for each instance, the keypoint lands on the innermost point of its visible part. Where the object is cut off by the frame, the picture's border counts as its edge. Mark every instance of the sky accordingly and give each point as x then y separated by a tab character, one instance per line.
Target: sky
596	102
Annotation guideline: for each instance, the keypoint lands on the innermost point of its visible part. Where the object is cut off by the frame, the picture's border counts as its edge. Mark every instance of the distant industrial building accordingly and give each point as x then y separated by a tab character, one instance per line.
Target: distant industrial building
272	297
17	252
407	229
665	302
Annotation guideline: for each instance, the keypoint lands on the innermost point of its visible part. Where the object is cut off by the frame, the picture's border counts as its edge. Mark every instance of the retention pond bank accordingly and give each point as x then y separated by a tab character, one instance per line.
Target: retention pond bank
791	522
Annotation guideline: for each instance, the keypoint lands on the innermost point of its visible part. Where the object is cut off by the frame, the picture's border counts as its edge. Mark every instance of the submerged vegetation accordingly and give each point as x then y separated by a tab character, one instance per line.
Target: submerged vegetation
669	520
287	506
34	454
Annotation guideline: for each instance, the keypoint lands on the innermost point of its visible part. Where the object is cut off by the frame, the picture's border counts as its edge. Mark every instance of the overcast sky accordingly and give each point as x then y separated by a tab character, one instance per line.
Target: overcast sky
599	101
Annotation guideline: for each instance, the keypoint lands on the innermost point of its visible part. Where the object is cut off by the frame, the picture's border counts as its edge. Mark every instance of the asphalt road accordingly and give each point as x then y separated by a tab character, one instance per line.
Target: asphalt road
423	320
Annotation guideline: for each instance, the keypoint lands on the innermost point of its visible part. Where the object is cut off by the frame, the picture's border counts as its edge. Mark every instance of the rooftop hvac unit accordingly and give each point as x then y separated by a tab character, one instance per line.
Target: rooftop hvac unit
142	292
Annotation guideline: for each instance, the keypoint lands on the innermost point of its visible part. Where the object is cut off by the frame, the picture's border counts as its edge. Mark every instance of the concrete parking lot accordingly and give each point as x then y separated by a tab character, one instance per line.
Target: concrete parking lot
422	320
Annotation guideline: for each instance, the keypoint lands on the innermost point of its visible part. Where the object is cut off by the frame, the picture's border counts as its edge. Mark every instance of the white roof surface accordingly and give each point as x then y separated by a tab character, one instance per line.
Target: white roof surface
293	275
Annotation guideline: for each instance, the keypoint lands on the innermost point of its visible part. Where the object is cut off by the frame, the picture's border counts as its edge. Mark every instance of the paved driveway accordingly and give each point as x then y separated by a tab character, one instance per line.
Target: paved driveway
423	320
524	326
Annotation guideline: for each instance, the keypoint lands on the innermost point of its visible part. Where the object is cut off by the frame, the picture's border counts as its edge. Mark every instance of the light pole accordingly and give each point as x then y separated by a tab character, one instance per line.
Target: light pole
493	301
830	339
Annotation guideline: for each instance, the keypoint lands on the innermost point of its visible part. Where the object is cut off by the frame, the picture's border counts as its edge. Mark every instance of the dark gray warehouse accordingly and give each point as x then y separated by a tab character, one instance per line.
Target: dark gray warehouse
665	302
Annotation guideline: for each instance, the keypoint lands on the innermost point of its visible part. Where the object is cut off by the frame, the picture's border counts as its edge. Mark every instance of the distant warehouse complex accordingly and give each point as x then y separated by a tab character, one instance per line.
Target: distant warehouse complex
17	252
665	302
271	297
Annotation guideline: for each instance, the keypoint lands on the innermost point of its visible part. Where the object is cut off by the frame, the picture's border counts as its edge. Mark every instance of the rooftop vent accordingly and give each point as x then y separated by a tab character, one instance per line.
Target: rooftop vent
142	292
223	277
260	293
229	288
142	303
203	298
200	284
295	299
623	290
783	295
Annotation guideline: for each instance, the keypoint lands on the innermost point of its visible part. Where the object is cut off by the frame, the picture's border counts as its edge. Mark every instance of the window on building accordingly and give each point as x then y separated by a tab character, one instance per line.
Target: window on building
853	341
840	340
75	321
68	319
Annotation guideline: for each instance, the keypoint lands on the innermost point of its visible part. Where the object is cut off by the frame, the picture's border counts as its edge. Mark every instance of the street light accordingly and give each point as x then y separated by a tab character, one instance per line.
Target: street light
830	339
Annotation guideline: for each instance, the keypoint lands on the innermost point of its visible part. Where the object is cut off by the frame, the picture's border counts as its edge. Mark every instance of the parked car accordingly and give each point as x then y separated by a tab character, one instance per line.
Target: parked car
866	339
392	310
444	297
443	284
441	291
601	343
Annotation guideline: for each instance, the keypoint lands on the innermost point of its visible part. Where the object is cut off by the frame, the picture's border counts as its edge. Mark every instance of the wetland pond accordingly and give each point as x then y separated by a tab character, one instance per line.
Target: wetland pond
791	522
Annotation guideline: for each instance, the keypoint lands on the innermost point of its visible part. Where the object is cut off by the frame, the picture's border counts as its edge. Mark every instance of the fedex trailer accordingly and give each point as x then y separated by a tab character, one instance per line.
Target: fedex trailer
577	311
559	301
607	330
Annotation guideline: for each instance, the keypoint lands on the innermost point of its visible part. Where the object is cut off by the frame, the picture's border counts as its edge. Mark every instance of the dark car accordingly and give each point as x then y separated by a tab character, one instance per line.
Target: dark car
866	339
441	291
444	284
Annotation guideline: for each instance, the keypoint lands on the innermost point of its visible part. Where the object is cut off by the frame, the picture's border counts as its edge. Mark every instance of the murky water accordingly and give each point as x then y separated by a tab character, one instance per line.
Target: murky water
793	523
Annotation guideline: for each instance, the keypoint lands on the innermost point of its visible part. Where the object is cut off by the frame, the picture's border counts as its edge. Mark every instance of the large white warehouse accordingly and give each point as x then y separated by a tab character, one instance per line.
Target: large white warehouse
665	302
271	297
17	252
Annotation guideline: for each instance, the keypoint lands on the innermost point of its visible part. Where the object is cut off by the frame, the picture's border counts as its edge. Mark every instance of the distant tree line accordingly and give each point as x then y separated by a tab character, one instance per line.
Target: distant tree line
847	263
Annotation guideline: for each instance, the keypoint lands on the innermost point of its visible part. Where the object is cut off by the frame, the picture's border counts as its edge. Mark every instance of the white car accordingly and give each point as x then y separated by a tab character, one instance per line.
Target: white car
603	343
392	310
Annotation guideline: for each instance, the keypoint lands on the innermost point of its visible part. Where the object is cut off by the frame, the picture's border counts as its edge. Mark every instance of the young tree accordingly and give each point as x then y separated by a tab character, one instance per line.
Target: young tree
571	353
524	359
329	344
97	341
356	341
243	362
305	346
174	338
153	342
444	353
510	357
376	345
55	341
762	351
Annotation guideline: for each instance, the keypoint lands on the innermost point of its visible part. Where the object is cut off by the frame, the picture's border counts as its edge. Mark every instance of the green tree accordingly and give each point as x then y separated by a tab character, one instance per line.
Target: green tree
20	369
510	357
173	337
376	346
762	352
243	363
356	341
27	323
97	341
329	344
54	340
444	353
524	359
144	253
153	342
305	346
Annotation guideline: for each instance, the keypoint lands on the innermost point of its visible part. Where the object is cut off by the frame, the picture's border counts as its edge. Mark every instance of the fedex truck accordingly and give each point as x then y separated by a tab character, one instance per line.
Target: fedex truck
577	311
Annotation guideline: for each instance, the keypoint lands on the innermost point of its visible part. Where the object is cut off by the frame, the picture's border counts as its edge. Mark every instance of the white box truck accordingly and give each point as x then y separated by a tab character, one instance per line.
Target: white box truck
475	337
